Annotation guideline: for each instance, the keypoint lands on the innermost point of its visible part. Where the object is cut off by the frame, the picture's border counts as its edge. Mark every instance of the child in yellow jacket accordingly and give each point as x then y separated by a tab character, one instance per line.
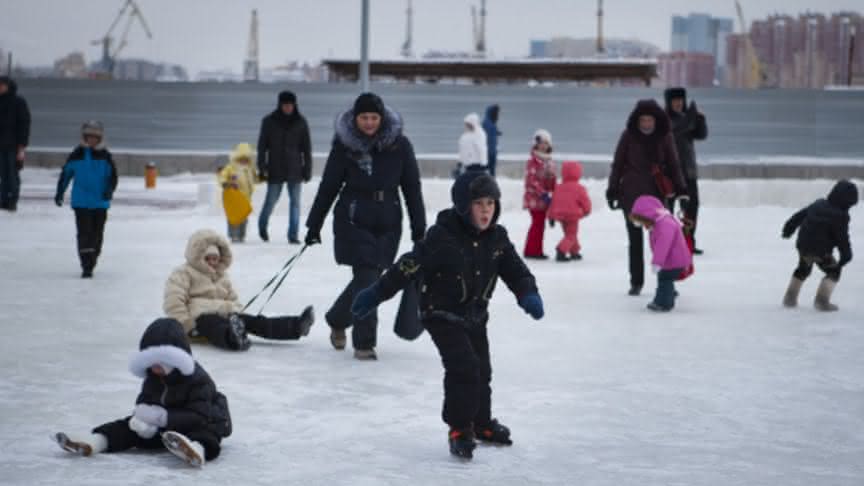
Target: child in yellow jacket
239	174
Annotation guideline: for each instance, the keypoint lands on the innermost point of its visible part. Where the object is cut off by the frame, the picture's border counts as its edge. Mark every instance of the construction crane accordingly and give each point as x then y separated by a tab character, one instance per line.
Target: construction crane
109	56
479	28
755	75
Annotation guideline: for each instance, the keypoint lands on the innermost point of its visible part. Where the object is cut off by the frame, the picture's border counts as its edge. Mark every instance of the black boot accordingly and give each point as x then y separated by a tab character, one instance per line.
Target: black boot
635	290
561	256
462	443
305	321
237	338
262	232
576	256
494	433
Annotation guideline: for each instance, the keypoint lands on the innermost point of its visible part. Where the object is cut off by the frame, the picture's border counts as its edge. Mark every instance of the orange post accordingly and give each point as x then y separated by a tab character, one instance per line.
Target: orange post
150	174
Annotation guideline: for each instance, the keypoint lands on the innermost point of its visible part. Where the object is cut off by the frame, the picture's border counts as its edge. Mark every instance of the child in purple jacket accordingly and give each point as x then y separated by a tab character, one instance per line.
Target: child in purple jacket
668	245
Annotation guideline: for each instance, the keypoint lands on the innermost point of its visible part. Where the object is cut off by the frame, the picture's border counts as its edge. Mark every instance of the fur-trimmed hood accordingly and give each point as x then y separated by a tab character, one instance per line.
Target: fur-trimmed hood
356	141
197	246
163	342
652	108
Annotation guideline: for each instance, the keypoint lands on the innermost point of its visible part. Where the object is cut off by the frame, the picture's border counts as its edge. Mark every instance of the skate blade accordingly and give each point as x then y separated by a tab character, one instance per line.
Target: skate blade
182	449
68	445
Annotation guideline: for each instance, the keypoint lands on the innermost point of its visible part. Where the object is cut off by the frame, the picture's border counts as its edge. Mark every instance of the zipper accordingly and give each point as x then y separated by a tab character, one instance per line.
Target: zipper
164	391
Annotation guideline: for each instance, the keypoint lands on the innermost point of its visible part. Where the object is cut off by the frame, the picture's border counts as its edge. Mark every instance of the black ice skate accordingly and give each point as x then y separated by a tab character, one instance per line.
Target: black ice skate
307	318
237	337
494	433
462	443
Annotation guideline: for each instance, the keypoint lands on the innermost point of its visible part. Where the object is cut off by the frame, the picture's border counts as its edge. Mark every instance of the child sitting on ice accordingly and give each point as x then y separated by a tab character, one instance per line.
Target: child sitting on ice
178	409
239	174
824	225
570	203
460	260
671	254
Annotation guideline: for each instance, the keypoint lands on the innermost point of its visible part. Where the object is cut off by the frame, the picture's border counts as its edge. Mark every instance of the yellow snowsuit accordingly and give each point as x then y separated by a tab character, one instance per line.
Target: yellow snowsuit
242	177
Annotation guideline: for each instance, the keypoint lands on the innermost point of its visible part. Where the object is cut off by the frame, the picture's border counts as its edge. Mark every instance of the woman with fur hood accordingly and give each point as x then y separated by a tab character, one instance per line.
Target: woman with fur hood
200	296
369	163
179	407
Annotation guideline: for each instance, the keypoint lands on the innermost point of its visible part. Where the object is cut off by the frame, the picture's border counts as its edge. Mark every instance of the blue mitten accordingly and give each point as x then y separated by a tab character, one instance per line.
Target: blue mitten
533	305
365	302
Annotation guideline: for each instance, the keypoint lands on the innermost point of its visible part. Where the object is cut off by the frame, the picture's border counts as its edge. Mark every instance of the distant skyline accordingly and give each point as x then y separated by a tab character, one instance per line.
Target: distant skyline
212	34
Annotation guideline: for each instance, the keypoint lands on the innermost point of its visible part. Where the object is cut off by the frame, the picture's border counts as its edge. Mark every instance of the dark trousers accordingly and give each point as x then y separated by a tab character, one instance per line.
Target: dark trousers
91	229
364	334
665	296
492	163
237	232
691	207
636	253
10	179
215	328
122	438
826	263
467	373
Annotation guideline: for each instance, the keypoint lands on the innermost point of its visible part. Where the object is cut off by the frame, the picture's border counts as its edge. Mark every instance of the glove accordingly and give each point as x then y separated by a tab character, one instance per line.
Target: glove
151	414
365	302
143	429
612	199
313	237
655	268
533	305
546	198
262	177
58	200
551	223
786	234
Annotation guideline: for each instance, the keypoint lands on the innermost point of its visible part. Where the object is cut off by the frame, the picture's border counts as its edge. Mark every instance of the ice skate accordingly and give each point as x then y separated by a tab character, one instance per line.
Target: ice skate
494	433
462	443
189	451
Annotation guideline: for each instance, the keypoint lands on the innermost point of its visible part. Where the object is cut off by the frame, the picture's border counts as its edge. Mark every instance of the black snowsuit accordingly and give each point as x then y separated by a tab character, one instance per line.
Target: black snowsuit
284	148
823	226
459	267
687	127
14	133
194	407
366	174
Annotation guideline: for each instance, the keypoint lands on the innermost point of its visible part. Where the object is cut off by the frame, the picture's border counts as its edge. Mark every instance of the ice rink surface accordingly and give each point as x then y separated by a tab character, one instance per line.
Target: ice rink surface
729	389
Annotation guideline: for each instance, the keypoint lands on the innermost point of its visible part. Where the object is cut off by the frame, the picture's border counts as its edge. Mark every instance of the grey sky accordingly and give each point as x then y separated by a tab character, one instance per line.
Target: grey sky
206	34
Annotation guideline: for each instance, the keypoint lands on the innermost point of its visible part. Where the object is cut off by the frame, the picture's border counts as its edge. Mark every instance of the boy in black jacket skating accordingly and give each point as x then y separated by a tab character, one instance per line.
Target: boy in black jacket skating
824	225
459	261
178	408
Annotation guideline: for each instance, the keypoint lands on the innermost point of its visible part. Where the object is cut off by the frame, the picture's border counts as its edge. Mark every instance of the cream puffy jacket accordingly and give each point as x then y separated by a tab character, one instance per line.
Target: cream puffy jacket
195	288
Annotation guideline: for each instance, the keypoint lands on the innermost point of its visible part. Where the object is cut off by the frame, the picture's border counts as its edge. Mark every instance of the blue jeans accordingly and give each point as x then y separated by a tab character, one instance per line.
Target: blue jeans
274	190
10	180
665	296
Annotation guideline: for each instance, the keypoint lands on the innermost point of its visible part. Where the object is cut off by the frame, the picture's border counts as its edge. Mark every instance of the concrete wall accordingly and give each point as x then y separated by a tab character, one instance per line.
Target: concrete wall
170	163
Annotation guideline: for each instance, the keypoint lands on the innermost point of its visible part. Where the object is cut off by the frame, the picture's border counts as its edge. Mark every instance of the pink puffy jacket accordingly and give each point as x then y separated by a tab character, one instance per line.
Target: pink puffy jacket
570	201
667	239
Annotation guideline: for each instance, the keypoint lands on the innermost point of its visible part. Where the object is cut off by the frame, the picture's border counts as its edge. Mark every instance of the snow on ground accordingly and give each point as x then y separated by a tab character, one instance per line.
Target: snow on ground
729	389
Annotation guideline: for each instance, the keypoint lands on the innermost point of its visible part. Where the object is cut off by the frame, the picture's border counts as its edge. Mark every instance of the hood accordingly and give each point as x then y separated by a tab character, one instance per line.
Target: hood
677	92
13	86
571	171
649	107
243	150
474	183
473	119
649	207
356	141
492	113
843	195
164	342
197	247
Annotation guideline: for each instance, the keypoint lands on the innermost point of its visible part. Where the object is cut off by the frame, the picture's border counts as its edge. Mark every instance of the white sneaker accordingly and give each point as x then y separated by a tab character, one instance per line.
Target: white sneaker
190	451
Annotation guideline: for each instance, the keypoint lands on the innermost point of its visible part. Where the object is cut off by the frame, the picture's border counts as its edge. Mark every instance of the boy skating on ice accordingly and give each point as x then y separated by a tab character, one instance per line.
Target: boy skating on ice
178	409
671	254
822	226
459	262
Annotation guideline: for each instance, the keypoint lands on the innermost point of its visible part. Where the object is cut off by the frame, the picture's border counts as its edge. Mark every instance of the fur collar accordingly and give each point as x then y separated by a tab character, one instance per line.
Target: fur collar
357	142
542	156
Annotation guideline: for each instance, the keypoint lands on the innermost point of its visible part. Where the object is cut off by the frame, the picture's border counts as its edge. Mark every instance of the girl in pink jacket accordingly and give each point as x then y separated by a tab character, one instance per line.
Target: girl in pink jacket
671	254
570	203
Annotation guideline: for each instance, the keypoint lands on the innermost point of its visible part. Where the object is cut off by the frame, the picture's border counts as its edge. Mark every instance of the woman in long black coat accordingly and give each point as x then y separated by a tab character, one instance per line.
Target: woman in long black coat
645	143
369	162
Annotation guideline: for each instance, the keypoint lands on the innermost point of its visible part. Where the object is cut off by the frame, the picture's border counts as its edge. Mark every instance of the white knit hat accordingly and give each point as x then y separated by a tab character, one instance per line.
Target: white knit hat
543	135
212	250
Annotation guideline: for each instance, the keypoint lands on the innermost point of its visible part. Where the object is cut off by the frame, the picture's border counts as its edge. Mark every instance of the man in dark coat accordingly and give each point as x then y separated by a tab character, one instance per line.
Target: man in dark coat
688	125
284	157
490	126
824	225
645	151
178	407
460	261
14	138
370	161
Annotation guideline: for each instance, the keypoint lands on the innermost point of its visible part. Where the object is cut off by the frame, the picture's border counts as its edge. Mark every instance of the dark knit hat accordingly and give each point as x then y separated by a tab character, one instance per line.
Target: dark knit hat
677	92
368	103
286	97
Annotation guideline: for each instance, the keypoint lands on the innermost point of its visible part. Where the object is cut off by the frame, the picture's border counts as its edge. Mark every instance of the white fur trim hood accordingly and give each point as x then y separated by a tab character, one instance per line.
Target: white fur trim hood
163	354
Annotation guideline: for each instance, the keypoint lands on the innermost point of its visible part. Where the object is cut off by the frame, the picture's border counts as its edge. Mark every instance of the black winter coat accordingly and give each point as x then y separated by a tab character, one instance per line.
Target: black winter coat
14	118
284	148
686	128
367	174
824	225
459	268
636	153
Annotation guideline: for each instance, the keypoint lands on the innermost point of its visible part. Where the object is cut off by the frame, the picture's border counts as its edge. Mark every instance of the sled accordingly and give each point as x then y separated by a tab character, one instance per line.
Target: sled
237	206
408	325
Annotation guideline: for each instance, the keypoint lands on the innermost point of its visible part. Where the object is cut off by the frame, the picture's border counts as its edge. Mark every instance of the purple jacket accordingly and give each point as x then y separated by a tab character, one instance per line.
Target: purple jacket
667	240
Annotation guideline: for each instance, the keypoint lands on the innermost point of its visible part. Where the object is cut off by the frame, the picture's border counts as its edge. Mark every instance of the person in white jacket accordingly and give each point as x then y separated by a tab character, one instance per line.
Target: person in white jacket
200	296
472	144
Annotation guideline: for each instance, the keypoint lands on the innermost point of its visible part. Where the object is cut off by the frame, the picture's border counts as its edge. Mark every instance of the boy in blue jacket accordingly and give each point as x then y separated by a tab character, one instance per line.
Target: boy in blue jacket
95	175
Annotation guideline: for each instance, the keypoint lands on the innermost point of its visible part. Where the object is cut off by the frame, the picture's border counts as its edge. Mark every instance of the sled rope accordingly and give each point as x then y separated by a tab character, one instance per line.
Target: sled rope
286	268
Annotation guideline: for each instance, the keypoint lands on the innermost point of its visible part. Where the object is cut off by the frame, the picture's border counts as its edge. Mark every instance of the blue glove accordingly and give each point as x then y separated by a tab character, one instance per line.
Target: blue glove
547	198
533	305
365	302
